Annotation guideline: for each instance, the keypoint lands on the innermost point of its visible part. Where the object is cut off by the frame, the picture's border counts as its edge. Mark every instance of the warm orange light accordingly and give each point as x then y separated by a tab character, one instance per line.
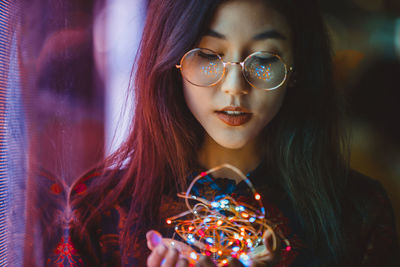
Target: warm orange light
245	215
191	228
257	196
169	221
219	222
219	252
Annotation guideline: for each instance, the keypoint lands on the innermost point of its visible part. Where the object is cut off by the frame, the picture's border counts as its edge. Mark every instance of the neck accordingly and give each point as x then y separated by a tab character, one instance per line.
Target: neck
247	158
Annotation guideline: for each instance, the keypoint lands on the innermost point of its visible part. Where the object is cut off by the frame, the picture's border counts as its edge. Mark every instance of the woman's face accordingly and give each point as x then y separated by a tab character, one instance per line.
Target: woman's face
238	29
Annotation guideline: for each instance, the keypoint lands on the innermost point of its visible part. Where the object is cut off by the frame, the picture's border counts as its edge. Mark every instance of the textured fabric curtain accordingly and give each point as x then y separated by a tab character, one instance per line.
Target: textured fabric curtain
12	140
57	59
51	120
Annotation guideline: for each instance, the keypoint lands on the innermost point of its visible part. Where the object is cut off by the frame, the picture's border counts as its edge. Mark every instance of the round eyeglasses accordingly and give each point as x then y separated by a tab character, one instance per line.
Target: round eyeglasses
262	70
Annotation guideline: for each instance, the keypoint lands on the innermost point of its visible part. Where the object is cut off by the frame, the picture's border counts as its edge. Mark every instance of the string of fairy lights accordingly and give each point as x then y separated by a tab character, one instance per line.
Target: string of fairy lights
224	228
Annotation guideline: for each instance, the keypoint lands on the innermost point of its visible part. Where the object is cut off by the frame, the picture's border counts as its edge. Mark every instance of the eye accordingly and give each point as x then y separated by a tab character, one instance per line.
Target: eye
266	60
206	54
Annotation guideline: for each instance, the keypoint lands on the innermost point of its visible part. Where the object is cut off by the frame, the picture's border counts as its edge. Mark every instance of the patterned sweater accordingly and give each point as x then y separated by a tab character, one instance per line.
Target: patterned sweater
371	238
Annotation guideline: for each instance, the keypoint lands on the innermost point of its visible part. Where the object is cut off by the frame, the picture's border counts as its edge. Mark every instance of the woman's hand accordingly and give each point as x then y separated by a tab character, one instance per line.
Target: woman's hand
167	256
163	255
207	262
267	257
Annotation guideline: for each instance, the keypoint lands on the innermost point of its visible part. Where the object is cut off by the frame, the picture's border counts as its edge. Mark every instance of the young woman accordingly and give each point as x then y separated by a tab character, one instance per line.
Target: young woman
282	129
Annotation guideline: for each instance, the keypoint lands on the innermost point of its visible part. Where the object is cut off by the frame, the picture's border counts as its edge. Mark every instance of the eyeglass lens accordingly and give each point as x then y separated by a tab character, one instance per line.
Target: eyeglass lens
263	70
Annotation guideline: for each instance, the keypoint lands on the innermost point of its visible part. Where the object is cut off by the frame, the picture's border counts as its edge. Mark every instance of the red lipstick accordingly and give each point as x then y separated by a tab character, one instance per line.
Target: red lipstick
234	116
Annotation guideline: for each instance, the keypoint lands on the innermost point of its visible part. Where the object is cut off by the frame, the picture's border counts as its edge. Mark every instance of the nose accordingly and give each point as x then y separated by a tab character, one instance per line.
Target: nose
234	82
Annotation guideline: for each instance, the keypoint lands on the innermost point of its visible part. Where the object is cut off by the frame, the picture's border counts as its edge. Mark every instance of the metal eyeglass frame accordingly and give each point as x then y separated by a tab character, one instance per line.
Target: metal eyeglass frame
287	69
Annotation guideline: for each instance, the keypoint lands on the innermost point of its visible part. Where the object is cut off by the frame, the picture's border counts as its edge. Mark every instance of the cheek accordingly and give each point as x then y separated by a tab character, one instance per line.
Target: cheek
196	99
269	104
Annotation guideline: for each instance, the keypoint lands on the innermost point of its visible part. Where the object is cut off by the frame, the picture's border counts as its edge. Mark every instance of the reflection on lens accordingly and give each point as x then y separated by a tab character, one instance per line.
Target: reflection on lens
261	72
202	67
264	70
211	70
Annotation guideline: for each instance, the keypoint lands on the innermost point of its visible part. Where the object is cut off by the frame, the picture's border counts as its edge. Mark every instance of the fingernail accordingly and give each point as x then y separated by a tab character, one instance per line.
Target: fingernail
154	238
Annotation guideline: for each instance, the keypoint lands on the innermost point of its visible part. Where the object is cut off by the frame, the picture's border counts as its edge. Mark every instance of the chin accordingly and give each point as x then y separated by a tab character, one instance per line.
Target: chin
230	144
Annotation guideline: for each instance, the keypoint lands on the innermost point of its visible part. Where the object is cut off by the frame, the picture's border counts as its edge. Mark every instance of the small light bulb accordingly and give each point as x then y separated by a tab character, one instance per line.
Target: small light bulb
193	255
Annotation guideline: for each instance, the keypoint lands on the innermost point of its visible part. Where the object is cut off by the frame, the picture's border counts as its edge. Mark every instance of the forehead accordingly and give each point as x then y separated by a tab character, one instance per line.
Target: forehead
242	19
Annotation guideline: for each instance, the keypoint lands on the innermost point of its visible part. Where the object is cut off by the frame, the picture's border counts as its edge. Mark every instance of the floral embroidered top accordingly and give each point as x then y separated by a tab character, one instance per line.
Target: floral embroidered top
369	224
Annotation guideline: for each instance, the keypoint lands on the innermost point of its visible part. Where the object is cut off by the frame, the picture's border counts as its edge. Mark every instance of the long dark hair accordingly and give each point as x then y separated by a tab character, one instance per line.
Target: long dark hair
303	142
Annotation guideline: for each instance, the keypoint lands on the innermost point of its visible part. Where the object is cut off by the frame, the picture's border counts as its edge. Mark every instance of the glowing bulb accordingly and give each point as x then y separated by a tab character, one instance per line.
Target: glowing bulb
219	252
224	261
225	201
193	255
169	221
214	204
244	256
219	222
236	249
244	215
252	219
249	243
210	240
257	196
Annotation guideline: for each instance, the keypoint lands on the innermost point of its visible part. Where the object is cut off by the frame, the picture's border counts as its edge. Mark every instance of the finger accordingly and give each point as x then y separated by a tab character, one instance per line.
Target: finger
154	238
157	256
268	240
171	258
182	262
235	263
205	262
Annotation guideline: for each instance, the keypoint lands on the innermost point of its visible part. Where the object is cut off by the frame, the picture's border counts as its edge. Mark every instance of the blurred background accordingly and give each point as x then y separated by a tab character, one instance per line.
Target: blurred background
366	43
65	67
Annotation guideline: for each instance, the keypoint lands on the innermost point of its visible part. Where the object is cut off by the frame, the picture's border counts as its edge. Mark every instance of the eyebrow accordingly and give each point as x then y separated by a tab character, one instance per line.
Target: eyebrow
215	34
270	34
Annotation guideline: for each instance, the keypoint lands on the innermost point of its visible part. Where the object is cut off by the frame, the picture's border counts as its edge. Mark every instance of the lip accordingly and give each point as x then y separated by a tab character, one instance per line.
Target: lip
234	120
